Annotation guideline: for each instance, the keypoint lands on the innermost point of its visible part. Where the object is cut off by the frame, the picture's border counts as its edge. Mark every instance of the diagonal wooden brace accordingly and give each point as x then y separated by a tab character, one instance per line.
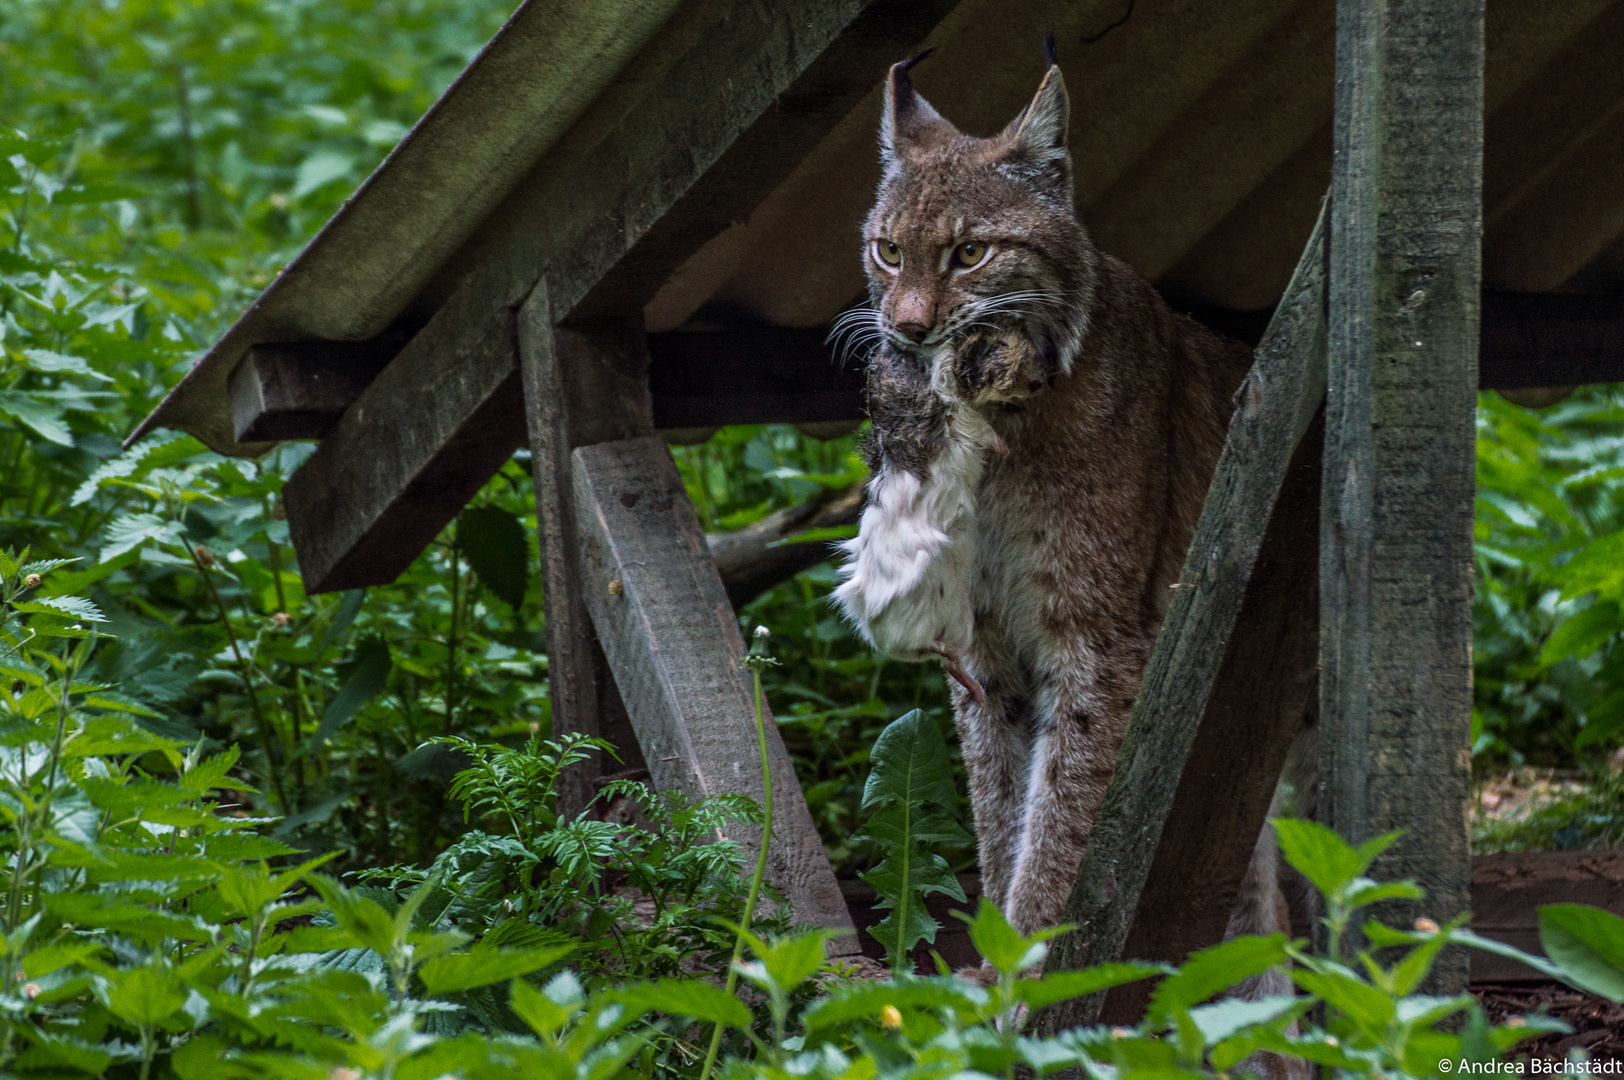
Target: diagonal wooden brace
673	643
1233	667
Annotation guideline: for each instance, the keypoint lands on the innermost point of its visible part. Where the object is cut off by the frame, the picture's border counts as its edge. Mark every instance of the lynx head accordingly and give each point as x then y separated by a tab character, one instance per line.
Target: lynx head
973	237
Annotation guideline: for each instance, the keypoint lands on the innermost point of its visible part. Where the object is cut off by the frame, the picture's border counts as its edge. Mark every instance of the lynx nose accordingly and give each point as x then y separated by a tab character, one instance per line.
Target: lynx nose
913	331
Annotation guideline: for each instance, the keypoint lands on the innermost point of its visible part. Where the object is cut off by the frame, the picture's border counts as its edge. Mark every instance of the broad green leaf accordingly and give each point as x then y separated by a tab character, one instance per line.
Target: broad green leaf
1363	891
1587	943
211	773
691	998
360	916
54	957
1599	567
791	960
1001	945
48	1050
909	765
546	1011
483	965
45	360
130	531
320	169
1583	633
67	607
865	1000
1365	1005
367	675
1064	985
1322	856
911	797
1213	970
145	996
43	416
74	582
1223	1019
497	548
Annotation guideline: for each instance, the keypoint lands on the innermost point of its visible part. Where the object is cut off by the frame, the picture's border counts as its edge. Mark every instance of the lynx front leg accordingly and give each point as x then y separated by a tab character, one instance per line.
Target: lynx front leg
1071	768
996	739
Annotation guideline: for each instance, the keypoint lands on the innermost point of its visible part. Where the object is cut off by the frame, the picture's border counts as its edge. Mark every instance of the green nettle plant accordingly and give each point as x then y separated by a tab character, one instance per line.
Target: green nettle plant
147	933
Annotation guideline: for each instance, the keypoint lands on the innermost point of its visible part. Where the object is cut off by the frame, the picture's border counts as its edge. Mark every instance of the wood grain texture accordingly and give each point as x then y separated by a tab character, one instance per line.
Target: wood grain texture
578	388
299	390
673	642
1396	525
1207	657
1509	889
409	453
764	70
1266	692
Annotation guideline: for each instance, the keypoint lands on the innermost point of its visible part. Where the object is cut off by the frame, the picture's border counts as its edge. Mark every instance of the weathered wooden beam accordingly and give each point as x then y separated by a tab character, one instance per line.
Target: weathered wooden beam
580	387
299	390
1240	595
1267	690
1396	530
609	216
408	454
788	375
673	642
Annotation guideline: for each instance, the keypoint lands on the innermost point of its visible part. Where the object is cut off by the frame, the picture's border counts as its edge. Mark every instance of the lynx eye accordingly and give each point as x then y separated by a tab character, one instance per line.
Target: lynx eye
887	252
970	254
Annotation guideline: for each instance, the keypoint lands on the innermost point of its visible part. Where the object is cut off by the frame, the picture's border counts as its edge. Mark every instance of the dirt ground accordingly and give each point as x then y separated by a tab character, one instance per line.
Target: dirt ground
1598	1025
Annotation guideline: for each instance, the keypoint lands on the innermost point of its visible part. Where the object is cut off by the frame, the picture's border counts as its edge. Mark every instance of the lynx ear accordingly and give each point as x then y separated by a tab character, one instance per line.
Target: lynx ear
907	115
1039	132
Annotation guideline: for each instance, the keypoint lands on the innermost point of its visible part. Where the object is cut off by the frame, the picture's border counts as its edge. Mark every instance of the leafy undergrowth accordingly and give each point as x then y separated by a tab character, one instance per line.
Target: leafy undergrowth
1528	811
147	933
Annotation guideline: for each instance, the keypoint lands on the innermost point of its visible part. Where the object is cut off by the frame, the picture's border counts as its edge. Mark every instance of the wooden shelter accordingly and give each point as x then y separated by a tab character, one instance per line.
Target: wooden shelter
633	218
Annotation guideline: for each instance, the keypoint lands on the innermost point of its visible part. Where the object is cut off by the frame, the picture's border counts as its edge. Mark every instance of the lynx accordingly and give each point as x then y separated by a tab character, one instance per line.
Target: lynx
1044	429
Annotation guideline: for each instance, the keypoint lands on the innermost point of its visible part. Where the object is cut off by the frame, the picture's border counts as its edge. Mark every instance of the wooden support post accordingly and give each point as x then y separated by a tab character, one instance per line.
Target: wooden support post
673	642
1396	530
579	388
1245	581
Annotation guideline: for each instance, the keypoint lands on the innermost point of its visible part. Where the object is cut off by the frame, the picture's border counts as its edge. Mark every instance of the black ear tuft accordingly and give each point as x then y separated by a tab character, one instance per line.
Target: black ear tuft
905	111
902	68
1051	51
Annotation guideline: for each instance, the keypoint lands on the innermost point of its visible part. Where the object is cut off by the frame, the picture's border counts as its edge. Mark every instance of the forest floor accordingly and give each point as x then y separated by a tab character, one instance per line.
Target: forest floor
1598	1025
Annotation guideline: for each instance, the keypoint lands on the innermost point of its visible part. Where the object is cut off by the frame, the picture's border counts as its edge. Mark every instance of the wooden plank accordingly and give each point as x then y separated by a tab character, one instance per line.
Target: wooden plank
1266	690
1207	655
790	375
407	455
697	150
579	388
298	390
673	642
1396	525
1509	889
